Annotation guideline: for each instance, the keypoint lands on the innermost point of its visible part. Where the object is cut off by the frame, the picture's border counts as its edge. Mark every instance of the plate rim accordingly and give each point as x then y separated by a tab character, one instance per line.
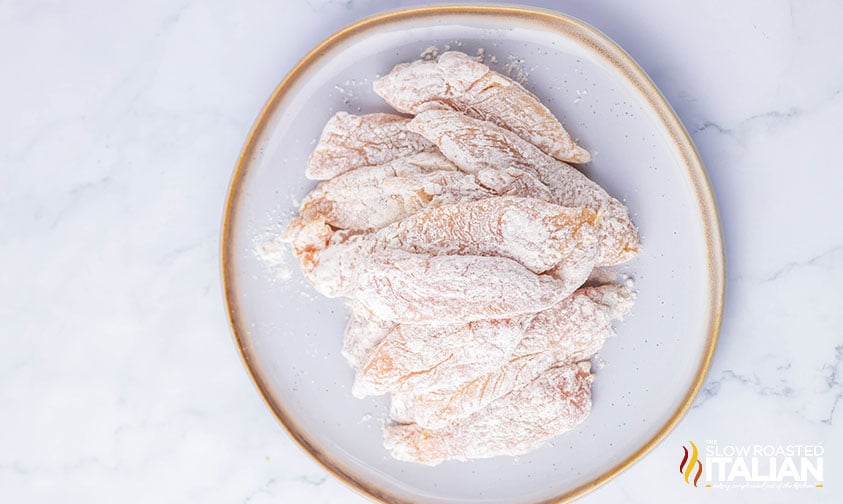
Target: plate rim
604	47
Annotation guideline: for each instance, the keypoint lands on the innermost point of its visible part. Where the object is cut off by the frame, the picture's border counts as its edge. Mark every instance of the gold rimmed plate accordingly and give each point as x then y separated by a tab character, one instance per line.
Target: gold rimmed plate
290	338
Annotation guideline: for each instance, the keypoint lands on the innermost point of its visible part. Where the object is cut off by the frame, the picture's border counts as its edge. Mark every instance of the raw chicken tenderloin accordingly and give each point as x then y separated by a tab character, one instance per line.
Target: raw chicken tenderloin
521	421
473	145
423	357
537	234
371	206
372	197
421	289
362	335
351	141
456	81
573	330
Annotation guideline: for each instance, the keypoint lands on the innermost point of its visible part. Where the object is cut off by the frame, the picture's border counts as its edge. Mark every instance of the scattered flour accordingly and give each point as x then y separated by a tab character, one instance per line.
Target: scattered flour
598	362
580	95
480	56
431	53
514	68
275	255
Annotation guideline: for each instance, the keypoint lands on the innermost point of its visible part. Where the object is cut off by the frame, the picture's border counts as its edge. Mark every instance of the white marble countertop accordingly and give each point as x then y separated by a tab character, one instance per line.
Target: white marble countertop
121	123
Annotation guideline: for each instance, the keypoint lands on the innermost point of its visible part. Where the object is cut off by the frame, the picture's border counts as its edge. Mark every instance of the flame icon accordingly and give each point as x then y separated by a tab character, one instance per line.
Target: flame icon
687	466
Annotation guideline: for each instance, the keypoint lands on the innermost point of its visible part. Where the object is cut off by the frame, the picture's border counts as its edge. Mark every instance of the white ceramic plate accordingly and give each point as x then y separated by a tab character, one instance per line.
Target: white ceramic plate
290	337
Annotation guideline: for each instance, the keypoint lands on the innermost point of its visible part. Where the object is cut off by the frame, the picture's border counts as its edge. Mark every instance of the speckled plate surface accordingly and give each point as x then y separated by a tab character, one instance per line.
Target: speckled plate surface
290	337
